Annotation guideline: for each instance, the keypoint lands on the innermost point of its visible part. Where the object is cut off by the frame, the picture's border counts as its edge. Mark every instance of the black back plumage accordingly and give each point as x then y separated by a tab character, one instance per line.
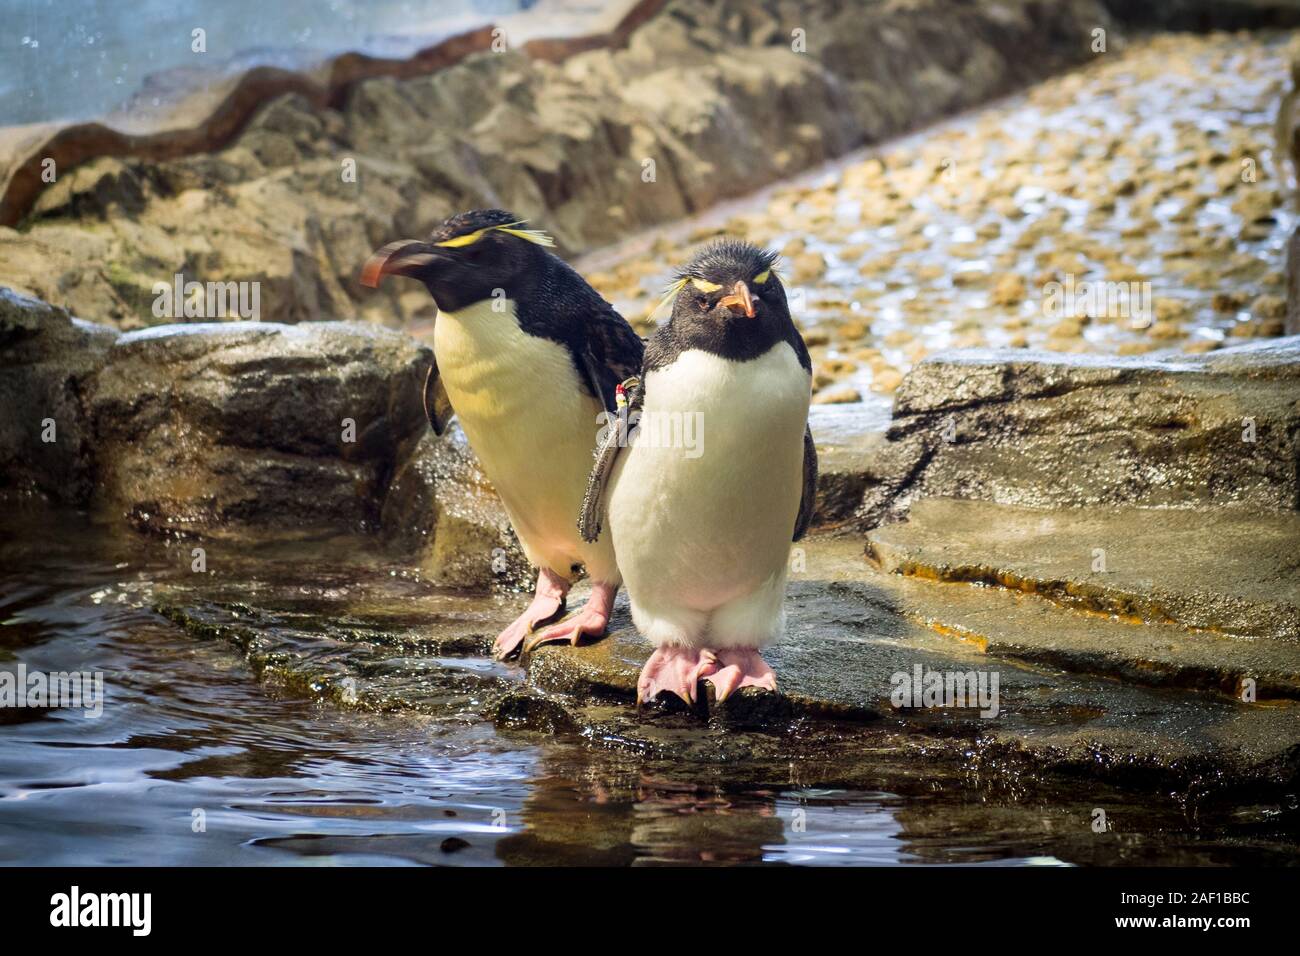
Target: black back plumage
556	303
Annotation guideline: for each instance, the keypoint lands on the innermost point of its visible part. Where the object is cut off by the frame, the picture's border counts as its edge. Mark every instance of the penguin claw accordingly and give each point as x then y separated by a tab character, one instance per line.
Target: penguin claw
591	621
571	630
739	667
546	606
674	669
508	641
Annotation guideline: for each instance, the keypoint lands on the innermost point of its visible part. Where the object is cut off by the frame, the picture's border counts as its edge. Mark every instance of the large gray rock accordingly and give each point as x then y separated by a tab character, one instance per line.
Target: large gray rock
1221	571
1042	429
396	643
46	359
208	428
224	426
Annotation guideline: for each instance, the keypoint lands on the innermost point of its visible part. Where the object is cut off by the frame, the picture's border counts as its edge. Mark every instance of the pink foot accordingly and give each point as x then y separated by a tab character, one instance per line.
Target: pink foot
675	669
590	621
548	601
739	667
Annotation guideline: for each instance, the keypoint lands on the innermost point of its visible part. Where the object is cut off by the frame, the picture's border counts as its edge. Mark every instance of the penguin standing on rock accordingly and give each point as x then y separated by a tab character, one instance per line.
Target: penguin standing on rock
702	534
528	355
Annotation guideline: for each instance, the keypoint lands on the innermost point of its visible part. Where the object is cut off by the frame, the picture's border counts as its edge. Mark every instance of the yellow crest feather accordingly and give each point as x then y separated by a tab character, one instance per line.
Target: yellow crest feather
528	235
457	242
669	295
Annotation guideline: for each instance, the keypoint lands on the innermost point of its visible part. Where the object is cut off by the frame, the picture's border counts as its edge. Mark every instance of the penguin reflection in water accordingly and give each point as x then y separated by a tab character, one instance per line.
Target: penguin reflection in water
527	355
702	534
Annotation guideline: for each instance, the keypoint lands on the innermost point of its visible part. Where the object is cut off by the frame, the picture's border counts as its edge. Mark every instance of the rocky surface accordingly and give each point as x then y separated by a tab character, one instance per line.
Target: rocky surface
1037	429
378	643
1216	570
46	357
229	425
245	431
441	508
715	96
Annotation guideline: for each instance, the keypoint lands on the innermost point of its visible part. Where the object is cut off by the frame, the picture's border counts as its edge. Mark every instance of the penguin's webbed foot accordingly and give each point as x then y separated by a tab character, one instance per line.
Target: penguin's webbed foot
738	667
547	604
674	669
591	621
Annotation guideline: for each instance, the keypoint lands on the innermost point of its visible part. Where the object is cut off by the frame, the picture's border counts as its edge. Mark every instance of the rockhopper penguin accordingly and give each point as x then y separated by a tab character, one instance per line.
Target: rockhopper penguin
702	535
529	356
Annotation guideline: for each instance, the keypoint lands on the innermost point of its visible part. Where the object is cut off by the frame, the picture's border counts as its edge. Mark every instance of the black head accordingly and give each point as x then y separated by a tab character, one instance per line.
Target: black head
729	282
728	301
466	259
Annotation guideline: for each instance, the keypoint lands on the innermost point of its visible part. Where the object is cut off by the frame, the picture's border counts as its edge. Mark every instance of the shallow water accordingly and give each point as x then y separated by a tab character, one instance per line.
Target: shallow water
190	735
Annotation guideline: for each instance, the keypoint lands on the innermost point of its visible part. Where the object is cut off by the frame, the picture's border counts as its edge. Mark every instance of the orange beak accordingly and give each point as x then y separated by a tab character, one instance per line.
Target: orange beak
396	258
739	301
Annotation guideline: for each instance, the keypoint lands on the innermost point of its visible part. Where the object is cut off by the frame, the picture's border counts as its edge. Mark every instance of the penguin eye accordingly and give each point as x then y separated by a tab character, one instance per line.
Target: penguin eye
475	250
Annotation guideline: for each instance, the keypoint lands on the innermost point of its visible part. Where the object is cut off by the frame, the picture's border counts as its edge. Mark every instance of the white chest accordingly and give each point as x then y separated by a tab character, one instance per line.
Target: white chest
723	504
520	402
491	367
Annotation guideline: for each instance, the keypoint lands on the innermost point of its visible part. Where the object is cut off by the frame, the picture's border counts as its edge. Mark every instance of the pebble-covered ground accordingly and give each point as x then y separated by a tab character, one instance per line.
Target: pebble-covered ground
1136	205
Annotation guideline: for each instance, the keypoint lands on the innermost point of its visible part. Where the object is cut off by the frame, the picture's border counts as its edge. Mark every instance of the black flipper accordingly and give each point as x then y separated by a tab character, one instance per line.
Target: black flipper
609	355
606	455
437	406
592	373
808	499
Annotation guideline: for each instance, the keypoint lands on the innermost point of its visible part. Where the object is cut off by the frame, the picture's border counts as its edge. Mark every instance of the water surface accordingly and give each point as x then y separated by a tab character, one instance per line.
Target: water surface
195	760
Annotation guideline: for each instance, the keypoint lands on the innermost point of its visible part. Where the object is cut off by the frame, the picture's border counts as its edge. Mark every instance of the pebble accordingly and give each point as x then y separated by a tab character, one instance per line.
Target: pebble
1229	301
1268	307
807	267
1166	329
854	330
1008	290
1067	329
837	396
886	380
